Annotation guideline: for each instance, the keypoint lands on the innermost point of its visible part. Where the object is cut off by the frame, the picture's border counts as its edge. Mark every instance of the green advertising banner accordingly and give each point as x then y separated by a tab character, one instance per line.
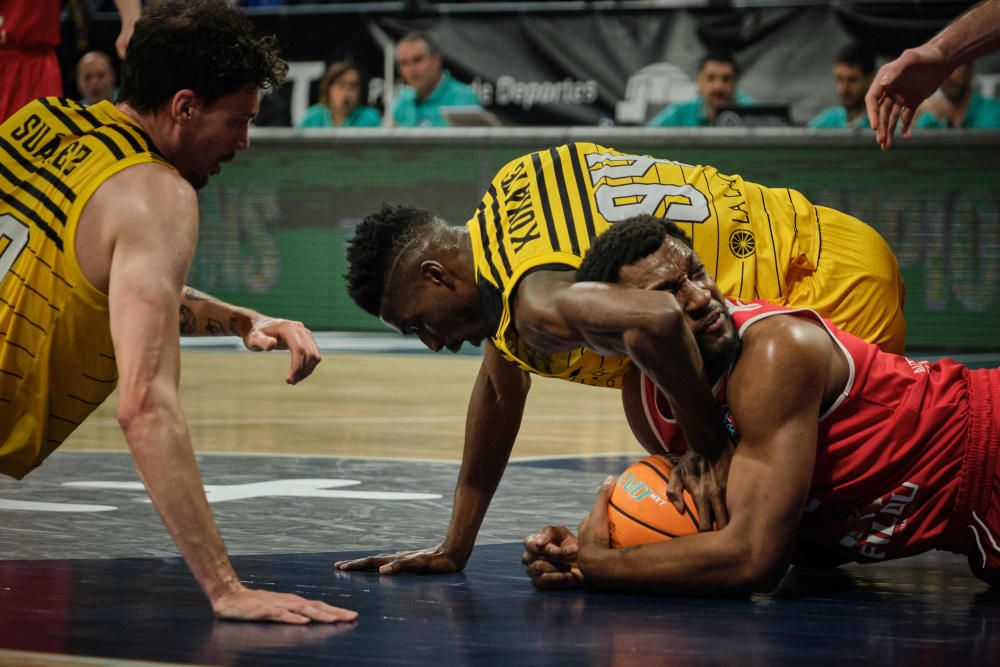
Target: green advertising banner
275	223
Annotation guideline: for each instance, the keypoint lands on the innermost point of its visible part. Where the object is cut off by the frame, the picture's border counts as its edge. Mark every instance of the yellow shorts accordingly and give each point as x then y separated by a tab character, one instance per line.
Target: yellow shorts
856	284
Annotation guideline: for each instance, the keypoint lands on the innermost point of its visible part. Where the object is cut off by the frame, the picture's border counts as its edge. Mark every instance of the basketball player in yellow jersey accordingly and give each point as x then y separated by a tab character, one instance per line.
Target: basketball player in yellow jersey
98	225
507	276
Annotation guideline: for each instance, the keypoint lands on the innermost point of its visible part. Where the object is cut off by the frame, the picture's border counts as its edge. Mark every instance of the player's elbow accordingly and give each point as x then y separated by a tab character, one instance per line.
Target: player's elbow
142	406
762	570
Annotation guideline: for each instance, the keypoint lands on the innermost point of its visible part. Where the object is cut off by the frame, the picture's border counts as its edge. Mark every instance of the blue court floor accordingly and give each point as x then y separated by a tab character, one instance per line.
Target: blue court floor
86	570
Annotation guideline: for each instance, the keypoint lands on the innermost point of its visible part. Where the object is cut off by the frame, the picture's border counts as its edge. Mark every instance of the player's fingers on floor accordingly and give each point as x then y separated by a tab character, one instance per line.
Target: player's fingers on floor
283	615
320	611
366	563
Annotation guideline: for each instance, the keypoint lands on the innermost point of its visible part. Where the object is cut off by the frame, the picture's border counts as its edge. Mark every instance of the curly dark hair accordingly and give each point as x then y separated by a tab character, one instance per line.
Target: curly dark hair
202	45
626	242
377	242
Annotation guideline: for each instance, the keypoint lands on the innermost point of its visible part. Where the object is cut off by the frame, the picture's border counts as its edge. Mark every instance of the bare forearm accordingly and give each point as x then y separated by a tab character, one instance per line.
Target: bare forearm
203	315
703	564
491	429
161	447
672	361
973	34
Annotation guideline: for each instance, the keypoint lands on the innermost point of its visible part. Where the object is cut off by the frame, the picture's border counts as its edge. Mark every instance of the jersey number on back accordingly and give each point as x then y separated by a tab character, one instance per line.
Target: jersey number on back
13	238
623	201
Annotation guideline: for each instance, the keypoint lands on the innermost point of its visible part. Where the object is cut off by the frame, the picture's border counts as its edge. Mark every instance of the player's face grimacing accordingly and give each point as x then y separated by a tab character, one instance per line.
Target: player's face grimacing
676	269
439	311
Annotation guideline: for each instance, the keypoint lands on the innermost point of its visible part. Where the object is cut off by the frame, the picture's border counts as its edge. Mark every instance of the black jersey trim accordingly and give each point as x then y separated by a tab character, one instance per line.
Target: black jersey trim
581	186
14	203
718	223
83	400
40	170
770	231
819	231
487	253
495	209
91	377
32	289
132	141
543	193
64	419
574	242
491	300
21	347
37	194
61	116
109	143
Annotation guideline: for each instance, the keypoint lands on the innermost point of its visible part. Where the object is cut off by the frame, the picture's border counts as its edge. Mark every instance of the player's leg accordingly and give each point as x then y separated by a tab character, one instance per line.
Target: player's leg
856	284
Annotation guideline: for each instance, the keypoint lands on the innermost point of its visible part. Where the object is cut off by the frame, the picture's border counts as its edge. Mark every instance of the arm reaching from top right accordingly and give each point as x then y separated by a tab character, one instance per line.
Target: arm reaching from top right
901	85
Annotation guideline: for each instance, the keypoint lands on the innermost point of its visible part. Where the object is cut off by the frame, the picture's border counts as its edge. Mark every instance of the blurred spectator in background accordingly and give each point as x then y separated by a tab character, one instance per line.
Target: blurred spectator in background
339	93
717	77
853	71
95	78
901	85
958	105
29	34
428	85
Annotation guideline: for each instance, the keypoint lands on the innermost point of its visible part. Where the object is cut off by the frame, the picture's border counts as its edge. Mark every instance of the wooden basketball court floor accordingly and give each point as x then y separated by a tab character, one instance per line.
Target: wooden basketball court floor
362	458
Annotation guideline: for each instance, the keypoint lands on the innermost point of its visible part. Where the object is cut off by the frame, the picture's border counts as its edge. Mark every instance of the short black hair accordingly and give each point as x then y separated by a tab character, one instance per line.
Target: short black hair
857	55
377	242
719	56
202	45
626	242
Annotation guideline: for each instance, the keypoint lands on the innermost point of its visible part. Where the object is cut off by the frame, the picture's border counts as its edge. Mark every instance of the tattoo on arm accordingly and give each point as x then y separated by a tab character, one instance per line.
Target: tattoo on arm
233	321
214	327
188	322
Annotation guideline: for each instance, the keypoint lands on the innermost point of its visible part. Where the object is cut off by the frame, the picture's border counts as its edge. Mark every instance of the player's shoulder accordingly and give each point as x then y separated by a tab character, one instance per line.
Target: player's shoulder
784	340
146	190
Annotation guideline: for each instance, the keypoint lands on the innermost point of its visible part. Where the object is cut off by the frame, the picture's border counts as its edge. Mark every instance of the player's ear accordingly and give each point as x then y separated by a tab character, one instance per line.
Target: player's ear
436	272
183	106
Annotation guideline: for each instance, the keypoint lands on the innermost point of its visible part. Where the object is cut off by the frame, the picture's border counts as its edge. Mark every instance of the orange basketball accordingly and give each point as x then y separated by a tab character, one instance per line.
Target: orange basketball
640	513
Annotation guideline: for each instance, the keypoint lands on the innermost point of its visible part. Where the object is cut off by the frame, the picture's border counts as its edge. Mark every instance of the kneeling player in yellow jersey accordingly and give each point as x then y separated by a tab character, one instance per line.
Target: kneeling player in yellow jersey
508	276
98	225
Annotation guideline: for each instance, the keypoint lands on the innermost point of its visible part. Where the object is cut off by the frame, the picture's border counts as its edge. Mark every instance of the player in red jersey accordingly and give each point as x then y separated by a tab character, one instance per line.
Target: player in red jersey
29	35
865	455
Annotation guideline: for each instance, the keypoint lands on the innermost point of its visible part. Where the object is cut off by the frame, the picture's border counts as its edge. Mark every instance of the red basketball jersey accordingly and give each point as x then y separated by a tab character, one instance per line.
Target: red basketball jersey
889	453
27	24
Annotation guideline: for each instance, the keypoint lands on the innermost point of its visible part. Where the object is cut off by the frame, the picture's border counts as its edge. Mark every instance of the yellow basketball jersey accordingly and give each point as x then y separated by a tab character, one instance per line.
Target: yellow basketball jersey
543	210
57	362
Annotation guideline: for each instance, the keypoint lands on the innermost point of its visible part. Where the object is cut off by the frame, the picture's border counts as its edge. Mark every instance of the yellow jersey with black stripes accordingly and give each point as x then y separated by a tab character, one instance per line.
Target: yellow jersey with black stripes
543	210
57	362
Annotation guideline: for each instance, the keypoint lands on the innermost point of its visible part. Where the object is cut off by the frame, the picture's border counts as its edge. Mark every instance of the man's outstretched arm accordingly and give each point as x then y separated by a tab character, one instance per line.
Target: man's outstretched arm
494	418
151	216
901	85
